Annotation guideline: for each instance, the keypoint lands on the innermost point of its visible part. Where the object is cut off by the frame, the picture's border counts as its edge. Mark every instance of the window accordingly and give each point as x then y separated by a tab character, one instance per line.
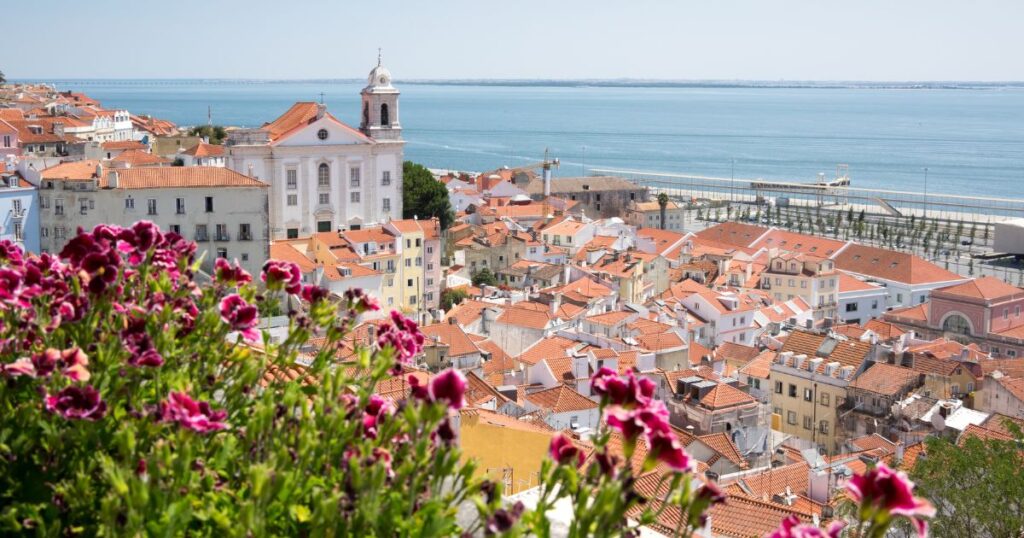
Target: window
430	267
323	175
179	206
430	282
808	395
201	233
408	262
419	261
293	199
412	299
419	242
778	281
292	233
209	204
874	305
391	266
222	253
354	197
7	141
129	203
1012	353
322	134
430	250
387	204
792	390
354	176
151	206
956	324
808	424
222	232
409	283
791	418
803	283
245	256
823	427
84	207
899	297
244	232
293	178
44	232
778	387
384	116
1006	313
325	199
851	307
824	399
385	178
176	228
17	231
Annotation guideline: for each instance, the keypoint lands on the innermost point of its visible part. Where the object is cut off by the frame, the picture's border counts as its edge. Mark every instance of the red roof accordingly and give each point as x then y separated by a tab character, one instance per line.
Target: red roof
203	149
987	288
300	115
891	265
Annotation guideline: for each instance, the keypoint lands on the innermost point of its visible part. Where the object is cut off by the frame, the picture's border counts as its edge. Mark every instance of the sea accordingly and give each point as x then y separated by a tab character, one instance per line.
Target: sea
970	137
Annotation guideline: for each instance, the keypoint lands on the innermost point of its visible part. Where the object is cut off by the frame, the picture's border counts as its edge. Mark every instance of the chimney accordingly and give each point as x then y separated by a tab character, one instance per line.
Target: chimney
452	320
556	302
58	128
113	179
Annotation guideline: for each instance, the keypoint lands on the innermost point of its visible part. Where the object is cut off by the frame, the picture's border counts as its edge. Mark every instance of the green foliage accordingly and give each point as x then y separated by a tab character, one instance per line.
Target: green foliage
484	277
178	161
216	133
3	79
423	196
977	488
451	297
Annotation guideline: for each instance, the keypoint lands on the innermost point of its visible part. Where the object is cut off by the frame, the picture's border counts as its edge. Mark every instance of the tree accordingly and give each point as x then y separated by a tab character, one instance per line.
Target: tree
178	161
451	297
215	133
423	196
977	487
484	277
3	79
663	207
849	214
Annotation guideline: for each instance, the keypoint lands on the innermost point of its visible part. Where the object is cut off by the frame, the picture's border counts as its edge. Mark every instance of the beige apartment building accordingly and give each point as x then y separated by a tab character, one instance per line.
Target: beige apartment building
811	278
809	381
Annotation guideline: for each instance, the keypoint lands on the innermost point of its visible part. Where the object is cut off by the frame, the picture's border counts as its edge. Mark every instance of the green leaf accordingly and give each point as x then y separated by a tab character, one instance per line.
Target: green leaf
300	513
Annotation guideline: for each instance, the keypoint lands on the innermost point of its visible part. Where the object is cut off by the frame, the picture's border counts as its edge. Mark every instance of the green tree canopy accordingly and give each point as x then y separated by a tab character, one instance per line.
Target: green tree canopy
977	487
216	133
484	277
3	79
451	297
423	196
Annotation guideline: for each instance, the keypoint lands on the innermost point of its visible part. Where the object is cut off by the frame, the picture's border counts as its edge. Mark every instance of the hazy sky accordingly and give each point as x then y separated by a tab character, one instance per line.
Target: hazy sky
562	39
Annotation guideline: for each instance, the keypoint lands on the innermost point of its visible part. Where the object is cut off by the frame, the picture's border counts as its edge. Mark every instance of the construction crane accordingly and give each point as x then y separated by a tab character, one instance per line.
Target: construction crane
544	165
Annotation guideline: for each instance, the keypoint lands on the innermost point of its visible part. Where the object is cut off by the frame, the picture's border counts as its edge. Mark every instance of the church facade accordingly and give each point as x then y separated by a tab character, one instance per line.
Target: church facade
323	174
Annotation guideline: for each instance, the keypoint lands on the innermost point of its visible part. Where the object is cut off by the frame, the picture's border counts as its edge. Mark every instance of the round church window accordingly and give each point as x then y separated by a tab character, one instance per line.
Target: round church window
322	134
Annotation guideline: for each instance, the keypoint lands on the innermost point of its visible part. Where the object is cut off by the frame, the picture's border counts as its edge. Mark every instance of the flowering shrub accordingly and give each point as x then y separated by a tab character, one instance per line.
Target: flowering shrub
135	402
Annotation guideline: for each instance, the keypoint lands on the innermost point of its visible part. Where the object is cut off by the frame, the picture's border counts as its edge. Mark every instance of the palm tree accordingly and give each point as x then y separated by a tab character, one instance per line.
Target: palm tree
663	205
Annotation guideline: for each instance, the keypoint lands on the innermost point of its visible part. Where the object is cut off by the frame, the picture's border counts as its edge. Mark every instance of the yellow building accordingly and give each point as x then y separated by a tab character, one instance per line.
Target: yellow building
409	285
809	277
507	450
627	271
808	386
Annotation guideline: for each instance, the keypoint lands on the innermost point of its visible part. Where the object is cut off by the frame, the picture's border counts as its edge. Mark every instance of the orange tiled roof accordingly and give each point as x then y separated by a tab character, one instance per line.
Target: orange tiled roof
561	399
891	265
181	177
138	157
987	288
78	170
723	395
552	346
733	233
282	250
123	144
736	352
848	282
453	336
609	318
660	342
799	243
299	115
882	378
526	317
760	366
203	149
469	310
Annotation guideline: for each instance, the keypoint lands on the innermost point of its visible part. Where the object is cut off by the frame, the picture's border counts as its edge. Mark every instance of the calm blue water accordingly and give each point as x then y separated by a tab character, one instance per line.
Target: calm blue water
972	140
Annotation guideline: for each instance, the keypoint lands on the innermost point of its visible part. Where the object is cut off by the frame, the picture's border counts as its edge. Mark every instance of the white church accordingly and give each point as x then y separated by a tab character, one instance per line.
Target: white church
325	175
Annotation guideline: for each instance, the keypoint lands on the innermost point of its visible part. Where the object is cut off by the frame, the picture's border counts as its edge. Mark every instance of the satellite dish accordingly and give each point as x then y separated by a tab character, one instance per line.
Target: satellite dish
938	422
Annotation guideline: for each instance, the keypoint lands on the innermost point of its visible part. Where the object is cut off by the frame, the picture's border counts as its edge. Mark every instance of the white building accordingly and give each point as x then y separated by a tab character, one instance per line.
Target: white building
323	174
19	210
221	210
860	300
203	154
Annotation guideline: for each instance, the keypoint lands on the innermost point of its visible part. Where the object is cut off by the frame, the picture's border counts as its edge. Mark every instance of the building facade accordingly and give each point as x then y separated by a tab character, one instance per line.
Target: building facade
323	174
19	211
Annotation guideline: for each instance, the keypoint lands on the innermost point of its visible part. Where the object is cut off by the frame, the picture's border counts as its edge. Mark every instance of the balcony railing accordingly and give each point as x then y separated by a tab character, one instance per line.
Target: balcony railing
202	236
223	236
244	236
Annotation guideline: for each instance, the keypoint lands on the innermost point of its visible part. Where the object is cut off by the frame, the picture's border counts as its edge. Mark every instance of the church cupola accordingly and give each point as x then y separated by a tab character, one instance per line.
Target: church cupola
380	106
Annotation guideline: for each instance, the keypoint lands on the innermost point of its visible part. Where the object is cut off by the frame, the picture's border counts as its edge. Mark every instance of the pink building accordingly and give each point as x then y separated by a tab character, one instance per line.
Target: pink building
986	311
8	140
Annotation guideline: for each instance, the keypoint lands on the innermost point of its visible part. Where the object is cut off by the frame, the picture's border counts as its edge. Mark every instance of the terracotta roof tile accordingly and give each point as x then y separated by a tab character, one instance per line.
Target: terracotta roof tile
452	335
138	157
552	346
733	233
181	177
986	288
882	378
891	265
203	149
561	399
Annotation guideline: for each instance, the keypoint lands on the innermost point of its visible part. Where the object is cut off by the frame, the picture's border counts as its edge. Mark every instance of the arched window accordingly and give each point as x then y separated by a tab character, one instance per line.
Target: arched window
956	324
384	120
323	175
366	114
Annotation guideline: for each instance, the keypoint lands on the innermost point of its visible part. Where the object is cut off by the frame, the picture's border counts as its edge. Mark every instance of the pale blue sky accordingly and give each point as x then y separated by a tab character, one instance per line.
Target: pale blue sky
563	39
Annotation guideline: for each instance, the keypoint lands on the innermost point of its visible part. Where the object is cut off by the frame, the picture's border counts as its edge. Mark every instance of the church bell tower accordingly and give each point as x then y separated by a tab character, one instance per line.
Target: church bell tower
380	106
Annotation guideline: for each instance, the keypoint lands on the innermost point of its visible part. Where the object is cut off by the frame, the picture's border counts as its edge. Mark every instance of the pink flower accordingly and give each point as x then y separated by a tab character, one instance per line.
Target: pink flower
792	528
361	301
403	335
449	386
196	416
80	403
503	520
312	293
564	452
627	391
891	492
20	367
102	268
665	448
280	275
240	315
75	362
232	275
46	361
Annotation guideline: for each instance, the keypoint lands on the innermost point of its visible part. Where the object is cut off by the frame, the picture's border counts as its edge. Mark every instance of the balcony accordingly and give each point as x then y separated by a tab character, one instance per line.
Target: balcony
222	236
202	237
245	236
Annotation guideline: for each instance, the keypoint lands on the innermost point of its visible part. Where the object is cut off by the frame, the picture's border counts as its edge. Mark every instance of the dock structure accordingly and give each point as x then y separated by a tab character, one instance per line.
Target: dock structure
897	203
